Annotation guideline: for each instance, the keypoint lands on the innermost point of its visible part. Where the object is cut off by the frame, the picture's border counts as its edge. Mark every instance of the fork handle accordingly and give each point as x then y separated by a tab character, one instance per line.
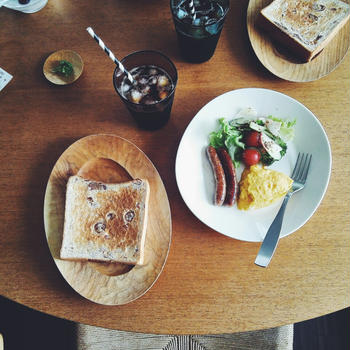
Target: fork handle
270	242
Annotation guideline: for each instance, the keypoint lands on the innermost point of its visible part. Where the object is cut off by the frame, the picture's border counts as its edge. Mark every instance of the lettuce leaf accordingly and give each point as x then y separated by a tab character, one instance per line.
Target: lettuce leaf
227	136
287	127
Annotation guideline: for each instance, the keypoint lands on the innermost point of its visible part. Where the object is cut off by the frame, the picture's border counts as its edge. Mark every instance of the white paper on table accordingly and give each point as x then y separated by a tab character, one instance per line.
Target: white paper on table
4	78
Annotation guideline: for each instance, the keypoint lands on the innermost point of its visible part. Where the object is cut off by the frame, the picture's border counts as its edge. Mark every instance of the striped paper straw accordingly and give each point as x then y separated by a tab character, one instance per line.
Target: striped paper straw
192	10
110	54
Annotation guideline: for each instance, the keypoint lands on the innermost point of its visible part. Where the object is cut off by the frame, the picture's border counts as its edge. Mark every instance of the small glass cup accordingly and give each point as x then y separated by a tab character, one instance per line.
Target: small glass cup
147	116
198	37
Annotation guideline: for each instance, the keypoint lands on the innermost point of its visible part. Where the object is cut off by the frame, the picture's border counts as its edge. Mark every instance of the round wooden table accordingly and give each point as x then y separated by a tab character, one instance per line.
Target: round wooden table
210	283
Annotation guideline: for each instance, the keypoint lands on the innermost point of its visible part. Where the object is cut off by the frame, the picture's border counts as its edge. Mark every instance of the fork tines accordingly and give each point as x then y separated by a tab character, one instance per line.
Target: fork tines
301	168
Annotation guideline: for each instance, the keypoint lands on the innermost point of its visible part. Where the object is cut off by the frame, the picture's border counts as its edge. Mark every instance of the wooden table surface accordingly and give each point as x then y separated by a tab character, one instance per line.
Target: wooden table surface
210	283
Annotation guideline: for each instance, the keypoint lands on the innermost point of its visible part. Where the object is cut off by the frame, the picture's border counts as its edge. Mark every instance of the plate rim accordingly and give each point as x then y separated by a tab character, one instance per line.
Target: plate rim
45	209
328	146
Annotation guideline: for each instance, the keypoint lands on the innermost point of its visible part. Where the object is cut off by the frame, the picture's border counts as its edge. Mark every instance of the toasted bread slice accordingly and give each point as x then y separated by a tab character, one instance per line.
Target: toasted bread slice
105	222
304	27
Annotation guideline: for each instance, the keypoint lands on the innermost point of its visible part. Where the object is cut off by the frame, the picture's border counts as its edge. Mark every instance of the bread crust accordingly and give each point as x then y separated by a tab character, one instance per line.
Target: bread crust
105	222
304	27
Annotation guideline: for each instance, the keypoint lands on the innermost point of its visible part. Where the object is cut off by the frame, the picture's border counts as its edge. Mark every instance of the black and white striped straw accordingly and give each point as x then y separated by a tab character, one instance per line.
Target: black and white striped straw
192	10
110	54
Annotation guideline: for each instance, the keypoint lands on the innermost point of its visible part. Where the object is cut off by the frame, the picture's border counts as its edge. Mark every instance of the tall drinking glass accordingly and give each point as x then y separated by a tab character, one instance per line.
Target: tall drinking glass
198	34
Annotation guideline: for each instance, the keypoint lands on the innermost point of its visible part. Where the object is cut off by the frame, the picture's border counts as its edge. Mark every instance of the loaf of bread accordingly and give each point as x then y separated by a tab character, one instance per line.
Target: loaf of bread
304	27
105	222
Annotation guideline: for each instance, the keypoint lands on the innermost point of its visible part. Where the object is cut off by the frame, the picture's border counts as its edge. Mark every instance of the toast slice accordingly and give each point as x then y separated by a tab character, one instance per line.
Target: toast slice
304	27
105	222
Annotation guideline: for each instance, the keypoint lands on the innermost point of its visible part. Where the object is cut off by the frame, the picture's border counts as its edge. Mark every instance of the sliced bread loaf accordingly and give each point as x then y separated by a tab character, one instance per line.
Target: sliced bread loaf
304	27
105	222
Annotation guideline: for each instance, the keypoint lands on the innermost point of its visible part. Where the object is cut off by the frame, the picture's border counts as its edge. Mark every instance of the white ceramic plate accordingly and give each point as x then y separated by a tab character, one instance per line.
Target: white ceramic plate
195	178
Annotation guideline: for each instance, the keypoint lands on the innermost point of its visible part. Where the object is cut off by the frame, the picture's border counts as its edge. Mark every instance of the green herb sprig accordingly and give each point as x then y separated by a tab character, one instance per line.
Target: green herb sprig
64	67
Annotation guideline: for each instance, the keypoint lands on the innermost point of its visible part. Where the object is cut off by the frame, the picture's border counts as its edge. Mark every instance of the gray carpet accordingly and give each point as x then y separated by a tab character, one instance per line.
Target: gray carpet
95	338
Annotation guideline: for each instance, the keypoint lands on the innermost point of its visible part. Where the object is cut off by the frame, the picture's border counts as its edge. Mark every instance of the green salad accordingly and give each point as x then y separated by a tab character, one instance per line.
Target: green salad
252	141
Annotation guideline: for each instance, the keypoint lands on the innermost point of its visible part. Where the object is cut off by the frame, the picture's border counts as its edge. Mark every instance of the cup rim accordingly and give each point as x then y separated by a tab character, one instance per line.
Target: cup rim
147	51
200	26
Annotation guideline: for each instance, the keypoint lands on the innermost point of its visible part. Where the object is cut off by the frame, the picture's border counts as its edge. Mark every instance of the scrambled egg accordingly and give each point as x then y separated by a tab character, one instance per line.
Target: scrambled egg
260	187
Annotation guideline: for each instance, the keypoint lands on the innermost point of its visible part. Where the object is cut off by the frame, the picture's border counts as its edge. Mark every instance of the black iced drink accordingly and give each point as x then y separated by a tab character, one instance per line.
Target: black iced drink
150	97
198	35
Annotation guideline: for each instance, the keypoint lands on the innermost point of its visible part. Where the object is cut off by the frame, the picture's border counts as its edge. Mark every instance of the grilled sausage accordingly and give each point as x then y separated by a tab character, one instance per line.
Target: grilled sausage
230	175
219	174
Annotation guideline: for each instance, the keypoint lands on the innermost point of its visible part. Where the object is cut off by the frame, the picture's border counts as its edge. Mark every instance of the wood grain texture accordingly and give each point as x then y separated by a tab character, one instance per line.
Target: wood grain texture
210	283
281	63
109	159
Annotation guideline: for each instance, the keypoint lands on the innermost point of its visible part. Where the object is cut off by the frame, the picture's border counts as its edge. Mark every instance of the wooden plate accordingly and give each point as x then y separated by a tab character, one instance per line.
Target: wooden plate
53	60
108	158
286	67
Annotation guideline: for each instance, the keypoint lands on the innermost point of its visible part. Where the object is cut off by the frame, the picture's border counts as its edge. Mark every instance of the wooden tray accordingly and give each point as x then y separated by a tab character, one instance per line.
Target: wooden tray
108	158
286	67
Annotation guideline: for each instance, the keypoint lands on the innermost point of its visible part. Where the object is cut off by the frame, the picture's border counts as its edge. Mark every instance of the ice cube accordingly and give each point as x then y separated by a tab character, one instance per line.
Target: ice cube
143	81
135	96
152	80
162	81
125	87
146	90
197	22
213	26
163	94
181	13
152	71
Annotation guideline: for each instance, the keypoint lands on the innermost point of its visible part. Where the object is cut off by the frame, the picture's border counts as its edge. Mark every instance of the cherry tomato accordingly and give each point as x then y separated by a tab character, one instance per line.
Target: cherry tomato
252	139
251	156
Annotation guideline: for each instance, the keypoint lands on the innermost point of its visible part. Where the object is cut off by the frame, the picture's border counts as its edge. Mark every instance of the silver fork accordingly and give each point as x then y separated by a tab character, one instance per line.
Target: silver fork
269	244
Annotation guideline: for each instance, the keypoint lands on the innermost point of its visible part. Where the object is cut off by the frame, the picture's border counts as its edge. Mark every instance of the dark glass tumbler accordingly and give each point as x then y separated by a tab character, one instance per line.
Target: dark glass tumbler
198	37
147	116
